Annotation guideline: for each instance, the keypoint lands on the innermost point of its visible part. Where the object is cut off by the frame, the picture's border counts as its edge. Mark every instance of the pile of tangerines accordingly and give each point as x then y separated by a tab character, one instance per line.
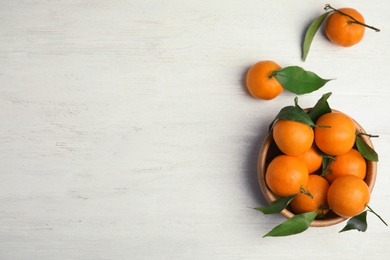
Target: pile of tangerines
320	167
298	170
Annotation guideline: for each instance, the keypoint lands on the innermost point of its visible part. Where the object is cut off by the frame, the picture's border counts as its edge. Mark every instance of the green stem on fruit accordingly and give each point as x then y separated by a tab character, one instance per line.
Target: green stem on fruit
372	211
369	135
328	6
296	101
306	192
322	126
326	169
272	74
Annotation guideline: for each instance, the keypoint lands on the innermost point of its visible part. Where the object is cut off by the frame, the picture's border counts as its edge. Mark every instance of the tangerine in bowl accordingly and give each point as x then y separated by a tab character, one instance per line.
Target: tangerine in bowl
270	150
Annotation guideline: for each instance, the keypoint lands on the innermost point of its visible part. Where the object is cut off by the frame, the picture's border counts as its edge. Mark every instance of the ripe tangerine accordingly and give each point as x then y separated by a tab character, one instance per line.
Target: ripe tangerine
285	175
293	138
260	83
335	134
312	159
342	30
318	187
348	196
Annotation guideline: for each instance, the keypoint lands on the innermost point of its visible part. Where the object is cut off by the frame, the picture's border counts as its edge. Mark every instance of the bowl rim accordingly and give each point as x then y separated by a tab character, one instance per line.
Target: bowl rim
270	196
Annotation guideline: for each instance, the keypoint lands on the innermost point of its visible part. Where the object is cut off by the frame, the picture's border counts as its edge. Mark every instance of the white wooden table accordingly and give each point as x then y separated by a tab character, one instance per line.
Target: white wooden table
127	132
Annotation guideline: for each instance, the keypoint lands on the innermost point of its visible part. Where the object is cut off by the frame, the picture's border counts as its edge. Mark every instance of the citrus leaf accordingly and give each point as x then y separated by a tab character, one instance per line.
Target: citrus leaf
294	225
358	222
299	81
278	205
294	113
327	160
366	150
320	108
321	215
311	32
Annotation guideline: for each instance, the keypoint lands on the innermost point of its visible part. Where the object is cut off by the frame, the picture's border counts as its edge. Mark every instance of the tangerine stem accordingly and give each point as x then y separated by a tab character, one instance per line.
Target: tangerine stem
306	192
369	135
273	74
326	171
372	211
328	6
326	165
296	101
322	126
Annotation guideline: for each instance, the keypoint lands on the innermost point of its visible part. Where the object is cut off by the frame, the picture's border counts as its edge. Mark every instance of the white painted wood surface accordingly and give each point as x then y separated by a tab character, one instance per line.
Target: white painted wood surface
127	132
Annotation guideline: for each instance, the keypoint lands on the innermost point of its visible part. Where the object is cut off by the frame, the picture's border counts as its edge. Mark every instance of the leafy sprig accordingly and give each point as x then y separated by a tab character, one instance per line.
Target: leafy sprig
311	32
367	151
359	222
299	81
294	225
316	24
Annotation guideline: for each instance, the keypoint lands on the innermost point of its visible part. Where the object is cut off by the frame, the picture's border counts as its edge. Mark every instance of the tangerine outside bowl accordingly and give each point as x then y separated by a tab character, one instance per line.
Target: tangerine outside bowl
269	150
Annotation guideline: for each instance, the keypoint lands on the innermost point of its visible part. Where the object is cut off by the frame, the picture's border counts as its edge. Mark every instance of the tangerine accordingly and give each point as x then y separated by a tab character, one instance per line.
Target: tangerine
261	83
312	159
293	138
285	175
343	30
335	134
318	187
348	196
350	163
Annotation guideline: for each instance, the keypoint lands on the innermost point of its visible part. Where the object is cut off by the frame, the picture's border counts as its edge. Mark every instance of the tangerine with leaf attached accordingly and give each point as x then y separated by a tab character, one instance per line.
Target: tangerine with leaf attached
260	81
342	30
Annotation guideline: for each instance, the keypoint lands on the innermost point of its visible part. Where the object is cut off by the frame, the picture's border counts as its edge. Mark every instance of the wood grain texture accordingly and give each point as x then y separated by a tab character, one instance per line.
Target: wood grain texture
127	132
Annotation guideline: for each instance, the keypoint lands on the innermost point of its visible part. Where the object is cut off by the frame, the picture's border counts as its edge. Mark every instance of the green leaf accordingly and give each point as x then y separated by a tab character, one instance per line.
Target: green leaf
358	222
366	150
278	205
296	224
320	108
294	113
321	215
327	160
299	81
311	32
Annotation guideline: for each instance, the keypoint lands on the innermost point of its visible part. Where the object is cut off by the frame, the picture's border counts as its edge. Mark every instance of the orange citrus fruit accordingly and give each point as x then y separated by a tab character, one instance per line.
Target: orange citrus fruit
348	196
293	138
342	30
350	163
285	175
312	159
260	82
335	134
318	187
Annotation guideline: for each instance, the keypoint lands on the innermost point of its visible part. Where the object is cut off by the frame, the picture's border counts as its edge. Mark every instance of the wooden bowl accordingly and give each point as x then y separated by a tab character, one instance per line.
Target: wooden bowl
269	150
